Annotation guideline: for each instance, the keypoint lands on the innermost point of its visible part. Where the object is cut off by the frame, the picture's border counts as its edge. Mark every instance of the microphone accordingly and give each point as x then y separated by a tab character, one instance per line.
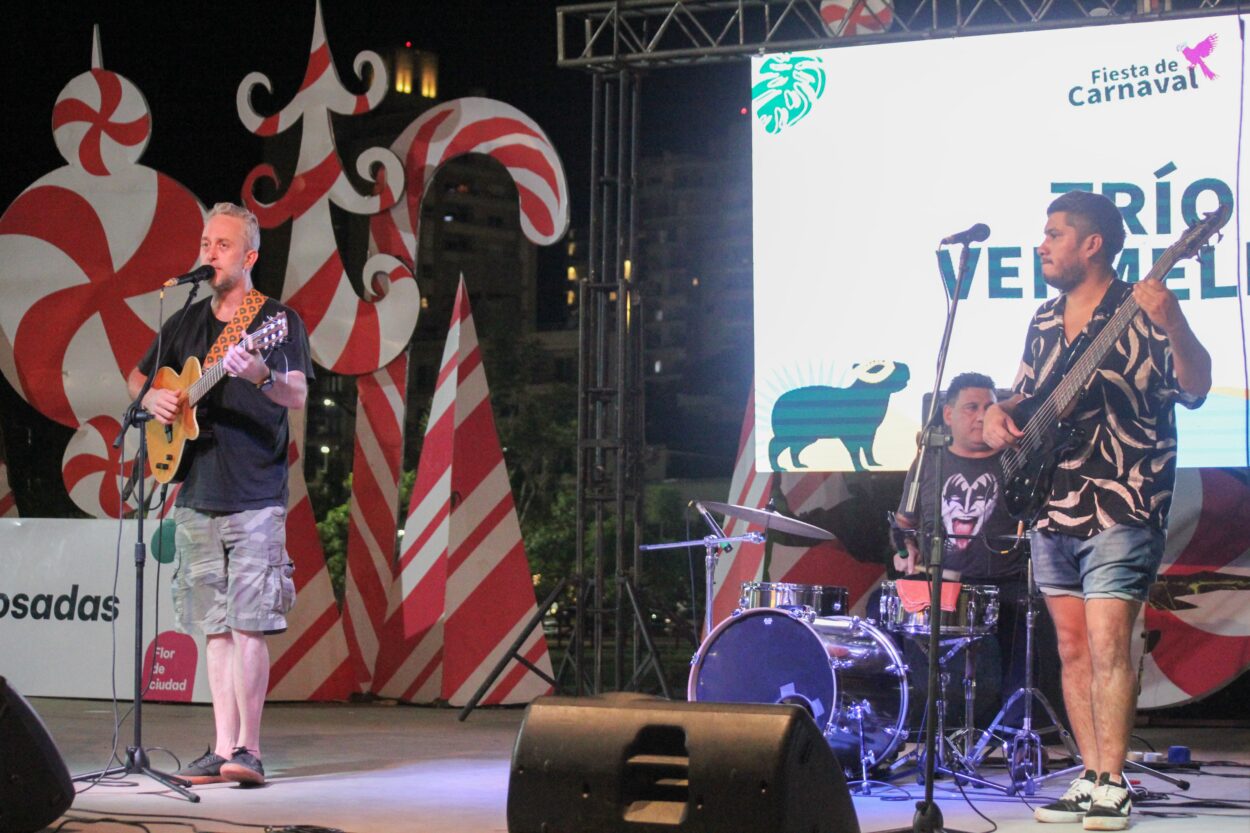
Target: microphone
200	273
975	234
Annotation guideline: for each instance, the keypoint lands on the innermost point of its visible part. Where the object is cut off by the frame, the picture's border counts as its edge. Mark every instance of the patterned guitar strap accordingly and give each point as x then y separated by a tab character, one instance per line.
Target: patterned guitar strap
235	330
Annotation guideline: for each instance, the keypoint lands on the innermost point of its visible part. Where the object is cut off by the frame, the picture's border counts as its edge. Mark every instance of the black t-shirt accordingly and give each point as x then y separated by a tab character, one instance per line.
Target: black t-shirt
239	461
973	507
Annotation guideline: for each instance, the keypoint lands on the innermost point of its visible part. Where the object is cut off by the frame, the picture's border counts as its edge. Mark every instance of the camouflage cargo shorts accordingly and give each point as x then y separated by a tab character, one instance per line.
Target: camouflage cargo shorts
233	571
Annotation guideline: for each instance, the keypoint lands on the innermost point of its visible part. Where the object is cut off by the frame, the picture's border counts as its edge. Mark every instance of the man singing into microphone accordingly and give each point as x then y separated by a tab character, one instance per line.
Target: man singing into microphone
233	578
1098	541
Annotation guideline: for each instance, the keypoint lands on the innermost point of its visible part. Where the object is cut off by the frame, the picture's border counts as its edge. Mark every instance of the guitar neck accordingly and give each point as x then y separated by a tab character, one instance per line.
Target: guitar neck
201	386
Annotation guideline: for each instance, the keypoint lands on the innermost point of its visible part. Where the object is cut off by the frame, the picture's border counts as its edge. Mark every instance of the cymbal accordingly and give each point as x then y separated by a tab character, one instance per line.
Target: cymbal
769	520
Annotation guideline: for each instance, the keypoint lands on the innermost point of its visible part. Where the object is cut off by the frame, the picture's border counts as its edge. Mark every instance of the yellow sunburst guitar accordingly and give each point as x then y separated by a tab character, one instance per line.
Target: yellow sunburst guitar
166	443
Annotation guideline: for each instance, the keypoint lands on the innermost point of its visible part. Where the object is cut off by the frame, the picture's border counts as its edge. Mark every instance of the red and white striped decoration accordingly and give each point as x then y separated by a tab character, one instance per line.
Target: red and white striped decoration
373	521
466	584
1195	620
8	503
827	562
492	128
310	661
457	128
347	334
844	18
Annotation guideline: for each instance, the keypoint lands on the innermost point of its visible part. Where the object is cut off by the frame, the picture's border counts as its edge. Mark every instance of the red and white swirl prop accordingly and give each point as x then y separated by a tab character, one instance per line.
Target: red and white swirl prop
347	335
466	583
310	661
845	18
1196	626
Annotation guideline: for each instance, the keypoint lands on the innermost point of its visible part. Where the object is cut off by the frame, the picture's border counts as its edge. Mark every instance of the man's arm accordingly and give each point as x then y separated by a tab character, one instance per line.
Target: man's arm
160	403
1190	360
289	388
906	566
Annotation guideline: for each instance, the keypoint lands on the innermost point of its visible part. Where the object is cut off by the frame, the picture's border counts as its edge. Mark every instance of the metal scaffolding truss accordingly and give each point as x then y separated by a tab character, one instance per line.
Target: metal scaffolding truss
617	42
611	36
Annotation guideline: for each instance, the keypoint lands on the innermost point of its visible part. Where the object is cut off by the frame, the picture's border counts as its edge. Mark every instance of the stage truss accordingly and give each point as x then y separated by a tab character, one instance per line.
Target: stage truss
616	42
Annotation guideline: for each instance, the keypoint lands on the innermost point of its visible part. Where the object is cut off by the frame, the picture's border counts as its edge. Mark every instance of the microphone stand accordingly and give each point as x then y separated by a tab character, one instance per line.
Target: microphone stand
137	762
935	437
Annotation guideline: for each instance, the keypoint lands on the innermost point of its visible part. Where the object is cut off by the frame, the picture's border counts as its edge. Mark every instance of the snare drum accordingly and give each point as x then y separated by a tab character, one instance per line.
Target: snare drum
847	674
975	613
821	599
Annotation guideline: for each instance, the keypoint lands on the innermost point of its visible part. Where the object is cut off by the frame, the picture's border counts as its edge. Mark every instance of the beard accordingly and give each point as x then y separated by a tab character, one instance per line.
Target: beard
1066	279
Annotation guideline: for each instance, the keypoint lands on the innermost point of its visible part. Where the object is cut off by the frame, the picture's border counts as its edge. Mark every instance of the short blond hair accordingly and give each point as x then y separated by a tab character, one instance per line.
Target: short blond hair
250	224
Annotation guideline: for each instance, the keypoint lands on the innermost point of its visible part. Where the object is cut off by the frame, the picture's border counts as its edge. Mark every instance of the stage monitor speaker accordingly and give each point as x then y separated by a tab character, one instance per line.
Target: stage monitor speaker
635	764
35	788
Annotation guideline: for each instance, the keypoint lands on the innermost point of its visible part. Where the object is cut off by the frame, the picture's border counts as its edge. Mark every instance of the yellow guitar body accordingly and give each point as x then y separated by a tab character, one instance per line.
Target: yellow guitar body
167	442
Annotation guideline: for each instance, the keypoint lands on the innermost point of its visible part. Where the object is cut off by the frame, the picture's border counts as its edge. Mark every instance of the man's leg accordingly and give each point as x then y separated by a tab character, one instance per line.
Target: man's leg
1110	623
220	660
1069	615
251	682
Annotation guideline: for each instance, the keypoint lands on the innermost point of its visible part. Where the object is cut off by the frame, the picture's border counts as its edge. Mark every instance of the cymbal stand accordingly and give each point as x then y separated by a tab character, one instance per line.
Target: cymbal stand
713	545
1024	746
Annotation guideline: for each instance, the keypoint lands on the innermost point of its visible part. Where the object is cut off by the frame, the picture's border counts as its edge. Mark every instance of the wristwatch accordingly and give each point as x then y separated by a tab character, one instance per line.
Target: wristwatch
267	383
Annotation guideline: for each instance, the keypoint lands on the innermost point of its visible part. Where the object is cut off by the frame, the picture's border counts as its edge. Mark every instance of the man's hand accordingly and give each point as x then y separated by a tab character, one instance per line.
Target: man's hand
999	429
906	566
245	364
1160	305
163	404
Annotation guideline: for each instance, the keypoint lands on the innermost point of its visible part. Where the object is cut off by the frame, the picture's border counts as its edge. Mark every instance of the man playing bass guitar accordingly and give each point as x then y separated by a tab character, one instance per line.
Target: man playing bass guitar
1100	527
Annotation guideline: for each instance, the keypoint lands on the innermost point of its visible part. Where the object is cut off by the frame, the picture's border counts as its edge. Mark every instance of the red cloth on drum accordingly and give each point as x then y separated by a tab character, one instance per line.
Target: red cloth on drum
915	594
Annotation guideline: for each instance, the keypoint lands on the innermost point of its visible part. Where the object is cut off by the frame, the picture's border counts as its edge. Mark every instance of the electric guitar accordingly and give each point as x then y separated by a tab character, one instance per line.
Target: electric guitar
1029	466
166	443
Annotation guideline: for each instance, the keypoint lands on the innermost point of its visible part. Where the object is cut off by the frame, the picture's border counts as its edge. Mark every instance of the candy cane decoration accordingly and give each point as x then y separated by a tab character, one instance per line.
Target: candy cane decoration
347	335
474	125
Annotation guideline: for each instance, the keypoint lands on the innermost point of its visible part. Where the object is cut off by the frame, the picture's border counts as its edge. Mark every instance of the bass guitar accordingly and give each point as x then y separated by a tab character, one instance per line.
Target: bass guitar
1029	466
166	443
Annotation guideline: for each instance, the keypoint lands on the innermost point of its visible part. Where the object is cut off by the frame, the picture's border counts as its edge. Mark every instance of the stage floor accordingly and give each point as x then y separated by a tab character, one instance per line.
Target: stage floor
377	768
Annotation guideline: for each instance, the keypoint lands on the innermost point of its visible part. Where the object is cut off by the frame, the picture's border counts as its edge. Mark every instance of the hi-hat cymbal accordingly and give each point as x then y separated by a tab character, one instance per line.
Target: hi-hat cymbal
769	520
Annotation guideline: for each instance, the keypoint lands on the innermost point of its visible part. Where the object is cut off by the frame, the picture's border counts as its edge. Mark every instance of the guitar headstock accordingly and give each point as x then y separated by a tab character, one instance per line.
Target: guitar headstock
273	332
1197	235
1191	242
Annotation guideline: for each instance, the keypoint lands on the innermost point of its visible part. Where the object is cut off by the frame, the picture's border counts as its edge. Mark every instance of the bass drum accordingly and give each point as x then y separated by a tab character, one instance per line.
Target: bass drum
844	671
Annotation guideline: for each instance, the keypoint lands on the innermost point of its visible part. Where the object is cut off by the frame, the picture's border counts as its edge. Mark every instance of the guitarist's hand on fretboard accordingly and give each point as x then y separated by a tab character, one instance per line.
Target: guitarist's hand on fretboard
244	363
1160	305
163	404
999	429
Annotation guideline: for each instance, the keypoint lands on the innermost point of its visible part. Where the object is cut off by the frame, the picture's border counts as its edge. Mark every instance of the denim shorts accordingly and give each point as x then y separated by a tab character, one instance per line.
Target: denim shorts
232	572
1120	562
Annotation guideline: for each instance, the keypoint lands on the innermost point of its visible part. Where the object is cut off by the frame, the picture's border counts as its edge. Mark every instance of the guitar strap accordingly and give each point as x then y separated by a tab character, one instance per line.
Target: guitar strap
234	331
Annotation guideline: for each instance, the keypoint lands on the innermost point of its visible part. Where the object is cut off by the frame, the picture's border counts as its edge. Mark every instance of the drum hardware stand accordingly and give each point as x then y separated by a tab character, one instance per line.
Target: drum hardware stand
934	440
1023	749
949	759
713	545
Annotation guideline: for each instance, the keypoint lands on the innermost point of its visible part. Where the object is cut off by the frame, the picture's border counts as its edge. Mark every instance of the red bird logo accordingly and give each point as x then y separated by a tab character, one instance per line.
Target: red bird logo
1195	54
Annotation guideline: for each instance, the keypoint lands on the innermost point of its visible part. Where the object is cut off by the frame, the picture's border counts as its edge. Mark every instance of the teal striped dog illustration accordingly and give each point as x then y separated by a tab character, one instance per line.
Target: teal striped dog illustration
851	414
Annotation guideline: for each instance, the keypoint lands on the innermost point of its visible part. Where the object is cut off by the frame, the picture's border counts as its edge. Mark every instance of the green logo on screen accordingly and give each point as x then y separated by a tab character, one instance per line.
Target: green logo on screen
787	90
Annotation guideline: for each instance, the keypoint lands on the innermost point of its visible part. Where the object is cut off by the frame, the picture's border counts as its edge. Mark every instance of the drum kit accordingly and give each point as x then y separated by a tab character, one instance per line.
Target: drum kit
797	643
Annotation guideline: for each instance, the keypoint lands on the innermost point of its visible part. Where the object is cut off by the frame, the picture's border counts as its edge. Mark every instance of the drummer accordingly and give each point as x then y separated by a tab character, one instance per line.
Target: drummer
980	546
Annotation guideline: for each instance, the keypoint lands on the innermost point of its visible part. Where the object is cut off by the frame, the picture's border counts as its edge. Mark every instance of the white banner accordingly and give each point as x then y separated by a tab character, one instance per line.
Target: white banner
865	157
60	612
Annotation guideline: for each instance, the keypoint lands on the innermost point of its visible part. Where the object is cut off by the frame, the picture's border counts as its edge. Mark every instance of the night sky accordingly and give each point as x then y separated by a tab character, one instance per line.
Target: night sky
188	58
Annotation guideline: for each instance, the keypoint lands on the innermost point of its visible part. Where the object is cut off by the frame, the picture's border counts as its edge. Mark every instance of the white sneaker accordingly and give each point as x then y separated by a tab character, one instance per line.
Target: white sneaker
1073	804
1110	805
